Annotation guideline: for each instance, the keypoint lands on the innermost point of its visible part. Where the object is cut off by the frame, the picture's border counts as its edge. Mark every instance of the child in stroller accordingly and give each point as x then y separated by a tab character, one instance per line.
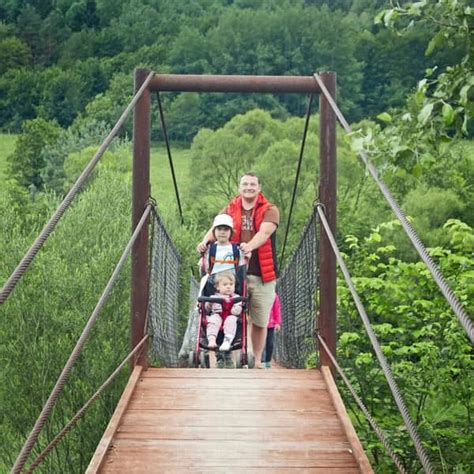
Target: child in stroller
223	312
222	323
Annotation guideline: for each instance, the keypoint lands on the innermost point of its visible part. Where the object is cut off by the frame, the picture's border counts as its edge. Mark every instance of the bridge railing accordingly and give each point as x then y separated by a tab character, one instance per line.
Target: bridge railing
22	268
300	270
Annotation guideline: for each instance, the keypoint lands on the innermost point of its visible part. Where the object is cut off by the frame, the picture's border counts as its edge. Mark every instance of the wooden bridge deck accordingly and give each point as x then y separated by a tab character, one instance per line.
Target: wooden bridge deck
222	420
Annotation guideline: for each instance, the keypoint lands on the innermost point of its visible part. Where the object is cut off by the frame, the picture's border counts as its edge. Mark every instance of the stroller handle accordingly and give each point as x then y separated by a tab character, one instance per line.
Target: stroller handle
208	299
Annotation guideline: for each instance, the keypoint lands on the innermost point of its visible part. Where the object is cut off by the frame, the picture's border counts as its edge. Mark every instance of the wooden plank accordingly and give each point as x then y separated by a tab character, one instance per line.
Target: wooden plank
232	384
352	437
229	432
216	420
163	453
104	444
233	373
248	470
235	418
222	399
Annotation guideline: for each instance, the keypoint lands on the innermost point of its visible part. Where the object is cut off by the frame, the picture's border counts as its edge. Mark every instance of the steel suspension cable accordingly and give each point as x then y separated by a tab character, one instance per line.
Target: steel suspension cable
446	290
54	442
170	159
51	224
48	406
422	455
378	431
298	169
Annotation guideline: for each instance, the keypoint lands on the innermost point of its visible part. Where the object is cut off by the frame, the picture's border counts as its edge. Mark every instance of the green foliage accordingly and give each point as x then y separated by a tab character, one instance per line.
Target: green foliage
423	341
7	146
13	54
27	159
73	140
83	54
107	107
291	38
45	314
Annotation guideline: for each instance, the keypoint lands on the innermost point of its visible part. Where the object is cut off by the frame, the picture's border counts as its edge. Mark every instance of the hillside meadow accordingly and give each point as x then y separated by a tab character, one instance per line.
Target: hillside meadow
160	173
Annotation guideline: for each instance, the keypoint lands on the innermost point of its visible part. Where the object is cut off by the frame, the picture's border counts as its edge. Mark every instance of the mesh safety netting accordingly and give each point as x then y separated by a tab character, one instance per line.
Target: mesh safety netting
163	309
190	336
297	288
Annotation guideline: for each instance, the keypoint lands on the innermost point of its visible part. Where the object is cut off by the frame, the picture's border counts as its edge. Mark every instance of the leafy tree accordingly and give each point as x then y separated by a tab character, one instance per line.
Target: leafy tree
28	29
186	55
62	96
411	145
82	14
79	46
26	162
20	94
64	283
14	53
422	340
107	107
54	33
184	117
57	172
136	26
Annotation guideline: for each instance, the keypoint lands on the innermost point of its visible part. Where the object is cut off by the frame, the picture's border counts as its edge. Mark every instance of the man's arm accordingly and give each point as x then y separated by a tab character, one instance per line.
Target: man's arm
265	232
202	246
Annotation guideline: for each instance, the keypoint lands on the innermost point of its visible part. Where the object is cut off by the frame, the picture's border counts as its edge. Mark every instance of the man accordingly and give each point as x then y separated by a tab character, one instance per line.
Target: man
255	221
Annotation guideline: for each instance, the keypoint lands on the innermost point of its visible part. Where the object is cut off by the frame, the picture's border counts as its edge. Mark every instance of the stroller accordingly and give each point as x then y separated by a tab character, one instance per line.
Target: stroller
200	357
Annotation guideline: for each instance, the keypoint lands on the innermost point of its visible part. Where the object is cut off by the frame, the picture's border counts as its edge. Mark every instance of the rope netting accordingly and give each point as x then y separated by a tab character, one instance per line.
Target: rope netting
164	293
190	336
297	290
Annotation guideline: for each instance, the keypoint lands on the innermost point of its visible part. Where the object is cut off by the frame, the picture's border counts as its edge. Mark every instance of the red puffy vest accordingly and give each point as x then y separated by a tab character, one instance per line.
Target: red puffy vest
265	252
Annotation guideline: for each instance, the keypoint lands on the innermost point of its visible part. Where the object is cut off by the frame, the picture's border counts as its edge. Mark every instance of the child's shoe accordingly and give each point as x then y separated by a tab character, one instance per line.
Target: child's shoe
225	346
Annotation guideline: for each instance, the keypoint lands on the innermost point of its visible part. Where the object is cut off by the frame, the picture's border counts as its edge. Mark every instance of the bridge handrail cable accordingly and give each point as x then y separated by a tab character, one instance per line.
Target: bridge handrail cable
298	169
422	455
378	431
448	293
82	411
51	224
170	159
48	406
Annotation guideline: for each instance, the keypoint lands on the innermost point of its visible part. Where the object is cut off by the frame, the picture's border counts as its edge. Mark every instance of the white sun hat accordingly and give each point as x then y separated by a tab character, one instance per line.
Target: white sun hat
223	219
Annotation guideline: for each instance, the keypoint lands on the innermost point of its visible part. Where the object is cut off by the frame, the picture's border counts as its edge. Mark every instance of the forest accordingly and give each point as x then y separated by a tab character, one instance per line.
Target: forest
405	84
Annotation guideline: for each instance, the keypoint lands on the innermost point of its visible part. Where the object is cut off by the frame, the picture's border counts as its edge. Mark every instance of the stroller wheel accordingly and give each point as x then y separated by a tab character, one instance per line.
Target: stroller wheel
204	360
193	360
251	361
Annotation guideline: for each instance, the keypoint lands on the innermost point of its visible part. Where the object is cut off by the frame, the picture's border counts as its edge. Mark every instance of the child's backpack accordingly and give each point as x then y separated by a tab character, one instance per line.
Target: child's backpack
212	256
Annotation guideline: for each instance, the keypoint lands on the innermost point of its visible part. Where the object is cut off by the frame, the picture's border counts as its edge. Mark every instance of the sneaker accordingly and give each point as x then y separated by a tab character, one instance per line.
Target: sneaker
225	346
220	363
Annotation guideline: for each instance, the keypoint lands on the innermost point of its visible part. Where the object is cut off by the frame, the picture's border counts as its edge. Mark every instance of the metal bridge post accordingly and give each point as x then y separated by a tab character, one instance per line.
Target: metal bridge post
141	193
327	197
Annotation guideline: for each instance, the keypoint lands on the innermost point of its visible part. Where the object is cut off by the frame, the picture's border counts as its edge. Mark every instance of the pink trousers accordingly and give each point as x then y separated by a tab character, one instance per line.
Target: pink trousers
214	323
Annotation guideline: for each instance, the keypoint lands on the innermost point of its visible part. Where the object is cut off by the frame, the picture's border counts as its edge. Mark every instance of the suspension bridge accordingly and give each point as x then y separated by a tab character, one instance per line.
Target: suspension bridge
174	419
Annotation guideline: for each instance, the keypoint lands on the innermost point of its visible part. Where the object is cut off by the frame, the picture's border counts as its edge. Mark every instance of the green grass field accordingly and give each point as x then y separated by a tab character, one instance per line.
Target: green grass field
7	145
160	173
161	179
